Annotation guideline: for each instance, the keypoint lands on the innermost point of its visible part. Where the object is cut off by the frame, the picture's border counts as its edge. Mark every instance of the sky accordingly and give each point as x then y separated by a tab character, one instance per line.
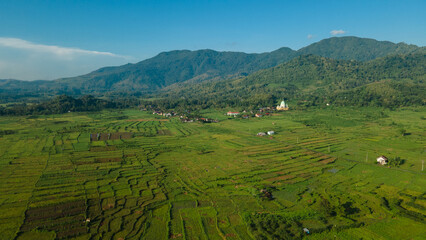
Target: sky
54	39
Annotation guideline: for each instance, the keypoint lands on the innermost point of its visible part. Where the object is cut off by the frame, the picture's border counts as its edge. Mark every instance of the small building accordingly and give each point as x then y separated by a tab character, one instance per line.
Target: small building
283	106
271	132
306	230
245	116
187	120
261	134
382	160
232	113
258	115
167	114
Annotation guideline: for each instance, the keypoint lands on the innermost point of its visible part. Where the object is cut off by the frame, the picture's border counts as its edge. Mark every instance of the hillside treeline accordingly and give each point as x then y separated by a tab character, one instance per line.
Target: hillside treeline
64	104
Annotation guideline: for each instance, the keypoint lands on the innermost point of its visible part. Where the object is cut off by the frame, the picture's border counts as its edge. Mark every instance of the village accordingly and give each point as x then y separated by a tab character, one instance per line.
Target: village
187	117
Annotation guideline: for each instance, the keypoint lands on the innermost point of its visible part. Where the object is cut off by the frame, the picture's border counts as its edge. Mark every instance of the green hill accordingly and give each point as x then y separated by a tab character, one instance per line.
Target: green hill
175	68
317	80
355	48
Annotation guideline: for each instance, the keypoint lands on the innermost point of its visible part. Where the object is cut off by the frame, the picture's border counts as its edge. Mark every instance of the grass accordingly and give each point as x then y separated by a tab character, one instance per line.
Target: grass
154	178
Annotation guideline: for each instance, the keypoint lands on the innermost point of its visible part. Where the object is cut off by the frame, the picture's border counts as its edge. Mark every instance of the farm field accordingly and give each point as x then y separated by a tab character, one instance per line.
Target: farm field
134	175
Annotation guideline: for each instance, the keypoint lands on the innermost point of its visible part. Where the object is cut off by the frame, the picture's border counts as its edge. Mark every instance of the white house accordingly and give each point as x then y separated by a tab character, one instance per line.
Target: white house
232	113
382	160
271	132
261	134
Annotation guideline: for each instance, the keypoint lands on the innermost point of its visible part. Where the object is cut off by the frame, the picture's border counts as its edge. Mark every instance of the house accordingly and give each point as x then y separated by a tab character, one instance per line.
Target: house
283	106
306	230
258	115
261	134
205	120
245	116
167	114
382	160
232	113
271	132
186	120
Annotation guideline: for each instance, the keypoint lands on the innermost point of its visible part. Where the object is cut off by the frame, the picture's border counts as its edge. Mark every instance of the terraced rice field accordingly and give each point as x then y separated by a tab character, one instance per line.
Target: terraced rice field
130	175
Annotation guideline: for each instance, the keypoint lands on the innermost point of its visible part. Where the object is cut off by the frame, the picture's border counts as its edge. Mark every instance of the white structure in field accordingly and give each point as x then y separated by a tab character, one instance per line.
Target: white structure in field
232	113
382	160
282	106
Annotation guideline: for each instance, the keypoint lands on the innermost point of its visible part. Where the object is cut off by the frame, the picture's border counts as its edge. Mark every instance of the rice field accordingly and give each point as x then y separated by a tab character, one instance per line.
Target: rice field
133	175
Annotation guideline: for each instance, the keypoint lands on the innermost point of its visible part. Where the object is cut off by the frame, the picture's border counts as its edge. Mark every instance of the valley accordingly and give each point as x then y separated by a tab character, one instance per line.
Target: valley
129	174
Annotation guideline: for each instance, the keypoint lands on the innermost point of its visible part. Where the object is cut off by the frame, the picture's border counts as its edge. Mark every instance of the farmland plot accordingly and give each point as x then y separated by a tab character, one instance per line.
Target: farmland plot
148	178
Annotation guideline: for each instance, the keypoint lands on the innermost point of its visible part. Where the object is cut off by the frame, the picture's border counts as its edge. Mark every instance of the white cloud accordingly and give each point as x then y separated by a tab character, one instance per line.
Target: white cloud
310	36
56	50
337	32
21	59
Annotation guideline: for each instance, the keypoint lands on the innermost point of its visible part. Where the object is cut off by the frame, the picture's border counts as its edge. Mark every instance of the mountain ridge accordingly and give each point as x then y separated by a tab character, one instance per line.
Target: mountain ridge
180	66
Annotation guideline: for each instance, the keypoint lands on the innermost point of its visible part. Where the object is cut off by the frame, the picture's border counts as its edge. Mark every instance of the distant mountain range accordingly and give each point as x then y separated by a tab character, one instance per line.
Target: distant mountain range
174	68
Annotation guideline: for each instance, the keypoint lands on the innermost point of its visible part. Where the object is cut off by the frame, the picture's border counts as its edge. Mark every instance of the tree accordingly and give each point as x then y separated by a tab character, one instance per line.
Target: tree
396	162
402	131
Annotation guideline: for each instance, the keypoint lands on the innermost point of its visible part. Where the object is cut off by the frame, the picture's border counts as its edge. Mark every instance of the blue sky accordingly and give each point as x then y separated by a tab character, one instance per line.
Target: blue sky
51	39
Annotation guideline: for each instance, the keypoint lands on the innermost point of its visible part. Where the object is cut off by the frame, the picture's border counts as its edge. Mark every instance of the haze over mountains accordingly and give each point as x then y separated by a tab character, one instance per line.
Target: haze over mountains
184	66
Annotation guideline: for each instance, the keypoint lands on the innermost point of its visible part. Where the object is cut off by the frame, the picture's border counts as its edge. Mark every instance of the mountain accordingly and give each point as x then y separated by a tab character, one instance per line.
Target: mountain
184	66
392	80
355	48
177	66
155	73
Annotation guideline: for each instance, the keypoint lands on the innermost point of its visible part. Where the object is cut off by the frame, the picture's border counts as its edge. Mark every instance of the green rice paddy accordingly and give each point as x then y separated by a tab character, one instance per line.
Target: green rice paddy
133	175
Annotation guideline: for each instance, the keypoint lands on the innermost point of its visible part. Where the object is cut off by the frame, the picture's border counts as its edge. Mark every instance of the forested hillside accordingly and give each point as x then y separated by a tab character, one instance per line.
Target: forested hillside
354	48
184	66
312	80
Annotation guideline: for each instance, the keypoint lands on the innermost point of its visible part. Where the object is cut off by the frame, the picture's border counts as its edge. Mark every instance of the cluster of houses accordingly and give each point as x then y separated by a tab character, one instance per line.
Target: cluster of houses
245	115
184	118
203	120
170	114
265	111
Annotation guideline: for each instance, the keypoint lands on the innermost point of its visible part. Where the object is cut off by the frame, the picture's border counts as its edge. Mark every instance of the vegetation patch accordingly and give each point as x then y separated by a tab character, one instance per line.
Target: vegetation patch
65	219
